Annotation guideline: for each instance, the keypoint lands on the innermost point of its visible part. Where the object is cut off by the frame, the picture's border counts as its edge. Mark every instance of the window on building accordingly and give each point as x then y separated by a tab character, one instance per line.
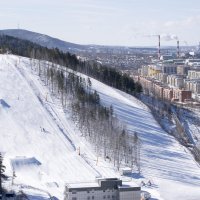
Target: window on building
108	196
92	197
73	192
88	198
104	197
74	198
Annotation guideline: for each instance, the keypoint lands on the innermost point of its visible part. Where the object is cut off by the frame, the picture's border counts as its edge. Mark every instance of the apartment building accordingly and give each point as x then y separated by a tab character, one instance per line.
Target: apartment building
153	70
162	77
158	90
147	84
193	85
167	93
175	80
159	70
108	188
169	68
144	70
182	69
194	74
181	95
196	87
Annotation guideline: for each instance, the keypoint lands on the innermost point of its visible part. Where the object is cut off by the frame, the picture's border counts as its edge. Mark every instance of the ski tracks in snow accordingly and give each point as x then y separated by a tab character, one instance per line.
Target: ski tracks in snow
67	132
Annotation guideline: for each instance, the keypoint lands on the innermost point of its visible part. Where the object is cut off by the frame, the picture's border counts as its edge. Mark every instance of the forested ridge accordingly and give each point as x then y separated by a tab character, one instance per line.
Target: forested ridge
105	74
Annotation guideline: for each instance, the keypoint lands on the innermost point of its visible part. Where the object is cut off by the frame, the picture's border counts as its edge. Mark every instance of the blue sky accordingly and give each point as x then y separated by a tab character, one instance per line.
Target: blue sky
108	22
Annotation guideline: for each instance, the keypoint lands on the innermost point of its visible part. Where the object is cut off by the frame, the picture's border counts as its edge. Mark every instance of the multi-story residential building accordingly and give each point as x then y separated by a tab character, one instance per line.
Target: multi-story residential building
196	87
193	85
179	82
158	70
167	93
181	95
144	70
169	68
182	69
110	188
158	90
162	77
151	86
153	70
147	84
194	74
175	80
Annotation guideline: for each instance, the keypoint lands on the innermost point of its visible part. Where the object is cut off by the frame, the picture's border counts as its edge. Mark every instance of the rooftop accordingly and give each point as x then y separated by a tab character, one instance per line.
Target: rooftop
126	185
83	185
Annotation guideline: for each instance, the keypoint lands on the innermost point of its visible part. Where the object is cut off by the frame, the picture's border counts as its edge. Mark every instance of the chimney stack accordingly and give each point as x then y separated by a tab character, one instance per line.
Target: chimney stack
158	47
178	49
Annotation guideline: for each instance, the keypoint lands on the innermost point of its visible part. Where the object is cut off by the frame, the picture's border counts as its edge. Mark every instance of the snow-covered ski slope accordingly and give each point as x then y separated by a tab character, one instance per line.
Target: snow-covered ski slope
40	141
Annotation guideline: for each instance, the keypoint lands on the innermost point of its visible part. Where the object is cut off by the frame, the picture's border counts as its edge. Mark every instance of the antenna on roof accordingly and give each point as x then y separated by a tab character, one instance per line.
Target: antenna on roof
18	26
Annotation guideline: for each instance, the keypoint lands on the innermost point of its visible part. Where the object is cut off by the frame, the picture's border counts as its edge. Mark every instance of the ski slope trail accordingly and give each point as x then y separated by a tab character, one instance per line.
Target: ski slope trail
41	138
31	128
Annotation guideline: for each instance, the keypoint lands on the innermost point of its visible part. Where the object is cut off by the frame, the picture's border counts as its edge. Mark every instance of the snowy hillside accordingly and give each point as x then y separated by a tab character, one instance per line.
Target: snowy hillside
41	142
43	40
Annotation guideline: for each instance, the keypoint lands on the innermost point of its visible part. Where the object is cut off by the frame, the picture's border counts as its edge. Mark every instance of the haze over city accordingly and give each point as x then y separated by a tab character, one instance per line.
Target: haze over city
107	22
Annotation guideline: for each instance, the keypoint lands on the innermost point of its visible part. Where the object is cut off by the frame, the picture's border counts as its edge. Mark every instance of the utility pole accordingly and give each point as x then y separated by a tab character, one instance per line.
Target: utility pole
79	151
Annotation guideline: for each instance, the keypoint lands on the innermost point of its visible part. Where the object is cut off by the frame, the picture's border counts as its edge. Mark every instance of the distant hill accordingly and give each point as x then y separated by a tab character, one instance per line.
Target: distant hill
43	40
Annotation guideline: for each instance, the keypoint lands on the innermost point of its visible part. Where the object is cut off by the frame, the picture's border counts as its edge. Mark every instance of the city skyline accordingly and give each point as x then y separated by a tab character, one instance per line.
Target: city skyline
120	23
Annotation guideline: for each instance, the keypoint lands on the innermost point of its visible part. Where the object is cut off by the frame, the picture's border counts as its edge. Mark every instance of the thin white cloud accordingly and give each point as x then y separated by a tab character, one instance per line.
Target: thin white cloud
185	23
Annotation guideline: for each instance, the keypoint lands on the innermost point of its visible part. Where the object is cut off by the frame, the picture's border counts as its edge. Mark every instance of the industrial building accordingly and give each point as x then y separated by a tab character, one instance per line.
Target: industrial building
108	188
